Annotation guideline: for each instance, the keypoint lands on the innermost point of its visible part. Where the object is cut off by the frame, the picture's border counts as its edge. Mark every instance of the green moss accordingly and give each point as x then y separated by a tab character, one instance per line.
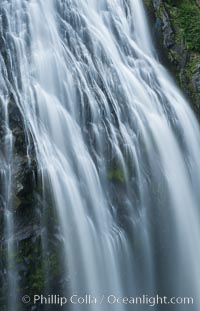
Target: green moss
174	2
173	56
51	264
116	174
192	68
186	16
192	64
148	3
189	19
37	280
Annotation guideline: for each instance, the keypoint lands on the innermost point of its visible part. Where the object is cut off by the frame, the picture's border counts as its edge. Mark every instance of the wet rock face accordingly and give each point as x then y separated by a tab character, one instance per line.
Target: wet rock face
37	267
171	40
196	82
168	33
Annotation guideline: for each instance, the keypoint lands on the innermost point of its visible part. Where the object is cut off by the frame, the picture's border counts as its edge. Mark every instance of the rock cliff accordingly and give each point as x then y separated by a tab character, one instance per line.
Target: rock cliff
176	30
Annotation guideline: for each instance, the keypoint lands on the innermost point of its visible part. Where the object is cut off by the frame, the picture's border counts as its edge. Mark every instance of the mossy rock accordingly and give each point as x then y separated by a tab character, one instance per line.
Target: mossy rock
116	175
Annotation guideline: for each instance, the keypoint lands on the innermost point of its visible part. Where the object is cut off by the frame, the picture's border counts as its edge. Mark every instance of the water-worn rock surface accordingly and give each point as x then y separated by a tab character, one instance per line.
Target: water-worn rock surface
22	203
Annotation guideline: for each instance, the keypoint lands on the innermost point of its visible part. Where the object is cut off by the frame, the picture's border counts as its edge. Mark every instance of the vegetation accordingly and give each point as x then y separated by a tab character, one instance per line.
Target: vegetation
178	30
116	174
187	15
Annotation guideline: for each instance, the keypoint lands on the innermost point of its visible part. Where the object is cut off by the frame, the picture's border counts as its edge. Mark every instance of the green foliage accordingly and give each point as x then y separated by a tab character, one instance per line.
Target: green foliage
148	3
189	19
193	65
116	174
185	15
184	54
174	2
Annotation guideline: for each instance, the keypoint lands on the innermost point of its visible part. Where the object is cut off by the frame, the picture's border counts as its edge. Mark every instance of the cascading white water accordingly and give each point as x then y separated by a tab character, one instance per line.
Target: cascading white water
118	142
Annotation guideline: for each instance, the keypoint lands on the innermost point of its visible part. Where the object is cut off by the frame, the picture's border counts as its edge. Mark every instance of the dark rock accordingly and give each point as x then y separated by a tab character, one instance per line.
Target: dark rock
168	33
196	82
157	3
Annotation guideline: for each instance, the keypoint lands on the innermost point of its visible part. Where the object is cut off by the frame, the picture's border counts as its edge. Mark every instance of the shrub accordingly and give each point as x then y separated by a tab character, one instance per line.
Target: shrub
189	20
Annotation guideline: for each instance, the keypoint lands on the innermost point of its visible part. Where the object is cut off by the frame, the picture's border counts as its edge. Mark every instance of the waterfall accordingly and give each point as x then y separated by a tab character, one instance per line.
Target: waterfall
112	147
